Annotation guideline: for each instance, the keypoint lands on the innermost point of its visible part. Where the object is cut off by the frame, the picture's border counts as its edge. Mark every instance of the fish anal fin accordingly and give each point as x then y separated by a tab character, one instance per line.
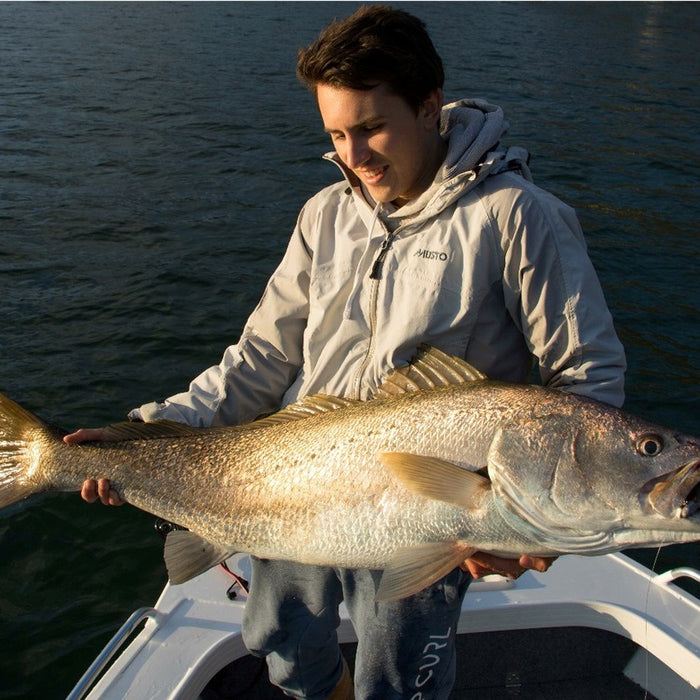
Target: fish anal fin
187	555
438	479
414	568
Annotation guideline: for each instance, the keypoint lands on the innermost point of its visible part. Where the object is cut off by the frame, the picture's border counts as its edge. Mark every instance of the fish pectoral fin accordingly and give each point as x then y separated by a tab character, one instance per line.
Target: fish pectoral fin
187	555
438	479
414	568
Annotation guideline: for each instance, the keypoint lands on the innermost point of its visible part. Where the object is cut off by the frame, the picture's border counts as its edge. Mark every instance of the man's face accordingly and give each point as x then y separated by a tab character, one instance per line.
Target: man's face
394	151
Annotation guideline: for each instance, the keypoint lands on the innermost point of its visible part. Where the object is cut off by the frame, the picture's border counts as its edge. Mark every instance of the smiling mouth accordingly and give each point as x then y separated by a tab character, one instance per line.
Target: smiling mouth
679	495
372	175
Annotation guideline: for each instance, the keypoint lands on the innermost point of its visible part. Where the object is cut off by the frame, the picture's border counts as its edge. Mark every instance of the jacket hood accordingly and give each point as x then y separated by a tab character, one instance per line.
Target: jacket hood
473	129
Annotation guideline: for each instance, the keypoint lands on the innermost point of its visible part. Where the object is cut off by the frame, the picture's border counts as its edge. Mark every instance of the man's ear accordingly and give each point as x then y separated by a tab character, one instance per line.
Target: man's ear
431	108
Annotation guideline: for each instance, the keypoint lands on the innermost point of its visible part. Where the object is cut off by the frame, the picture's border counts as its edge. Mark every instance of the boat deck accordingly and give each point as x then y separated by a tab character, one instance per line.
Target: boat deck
589	628
573	663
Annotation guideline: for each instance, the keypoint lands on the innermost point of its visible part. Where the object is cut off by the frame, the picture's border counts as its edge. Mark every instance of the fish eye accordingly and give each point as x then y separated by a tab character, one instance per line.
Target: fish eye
649	445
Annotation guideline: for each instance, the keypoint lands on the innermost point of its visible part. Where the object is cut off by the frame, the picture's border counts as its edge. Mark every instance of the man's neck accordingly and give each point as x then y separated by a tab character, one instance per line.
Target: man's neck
434	162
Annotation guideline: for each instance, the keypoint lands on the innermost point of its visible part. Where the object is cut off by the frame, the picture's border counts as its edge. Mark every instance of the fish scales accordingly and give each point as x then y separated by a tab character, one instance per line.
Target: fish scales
275	486
393	483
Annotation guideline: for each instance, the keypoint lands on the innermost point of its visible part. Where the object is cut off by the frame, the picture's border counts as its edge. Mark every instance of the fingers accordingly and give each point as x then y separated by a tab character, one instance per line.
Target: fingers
94	489
482	564
475	569
540	564
84	435
88	492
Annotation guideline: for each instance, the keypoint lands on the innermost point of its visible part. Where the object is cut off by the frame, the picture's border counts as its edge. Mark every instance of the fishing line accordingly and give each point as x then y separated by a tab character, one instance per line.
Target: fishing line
646	623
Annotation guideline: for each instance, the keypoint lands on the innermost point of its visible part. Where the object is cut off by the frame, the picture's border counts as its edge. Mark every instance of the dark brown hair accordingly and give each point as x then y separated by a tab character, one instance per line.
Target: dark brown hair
376	44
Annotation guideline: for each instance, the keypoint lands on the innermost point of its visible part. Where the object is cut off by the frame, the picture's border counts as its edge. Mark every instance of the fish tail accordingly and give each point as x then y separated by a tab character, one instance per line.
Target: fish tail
20	432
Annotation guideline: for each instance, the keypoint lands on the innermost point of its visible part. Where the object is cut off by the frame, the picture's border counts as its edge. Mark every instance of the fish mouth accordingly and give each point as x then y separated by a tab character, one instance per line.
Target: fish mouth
677	496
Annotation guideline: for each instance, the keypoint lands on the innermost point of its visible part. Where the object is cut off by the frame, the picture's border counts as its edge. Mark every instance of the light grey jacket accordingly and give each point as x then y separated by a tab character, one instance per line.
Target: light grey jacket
484	265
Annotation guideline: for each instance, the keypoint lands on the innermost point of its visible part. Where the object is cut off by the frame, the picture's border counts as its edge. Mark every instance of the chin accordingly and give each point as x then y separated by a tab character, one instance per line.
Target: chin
383	196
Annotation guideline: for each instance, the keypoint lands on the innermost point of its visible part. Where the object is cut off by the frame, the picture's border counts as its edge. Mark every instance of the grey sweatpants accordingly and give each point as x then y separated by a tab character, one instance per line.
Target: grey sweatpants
406	648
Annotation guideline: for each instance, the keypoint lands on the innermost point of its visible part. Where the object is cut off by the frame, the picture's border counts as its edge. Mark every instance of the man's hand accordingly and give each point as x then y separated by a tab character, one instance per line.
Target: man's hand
85	435
482	564
100	488
94	489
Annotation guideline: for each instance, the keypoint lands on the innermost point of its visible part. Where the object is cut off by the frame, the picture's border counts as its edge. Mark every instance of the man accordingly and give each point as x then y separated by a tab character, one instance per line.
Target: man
437	235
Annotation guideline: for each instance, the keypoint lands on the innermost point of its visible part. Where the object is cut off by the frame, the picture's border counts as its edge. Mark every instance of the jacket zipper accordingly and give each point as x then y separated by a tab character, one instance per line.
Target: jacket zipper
375	276
374	293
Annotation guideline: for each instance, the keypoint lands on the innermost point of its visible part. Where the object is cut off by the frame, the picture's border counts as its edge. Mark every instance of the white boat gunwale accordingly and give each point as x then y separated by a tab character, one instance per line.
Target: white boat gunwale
194	629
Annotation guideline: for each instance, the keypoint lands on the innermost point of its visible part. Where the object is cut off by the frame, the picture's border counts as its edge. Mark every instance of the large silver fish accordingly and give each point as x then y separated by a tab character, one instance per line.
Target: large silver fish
442	463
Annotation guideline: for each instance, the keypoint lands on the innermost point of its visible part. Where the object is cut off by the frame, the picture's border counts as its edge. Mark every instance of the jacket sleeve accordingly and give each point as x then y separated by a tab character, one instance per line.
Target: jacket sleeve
253	374
554	295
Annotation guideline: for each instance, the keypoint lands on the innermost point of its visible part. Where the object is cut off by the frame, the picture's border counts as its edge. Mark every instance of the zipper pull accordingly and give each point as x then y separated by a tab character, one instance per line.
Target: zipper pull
377	267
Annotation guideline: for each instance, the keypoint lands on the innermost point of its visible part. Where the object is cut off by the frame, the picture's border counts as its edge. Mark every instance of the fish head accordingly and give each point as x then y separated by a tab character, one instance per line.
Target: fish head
648	474
590	478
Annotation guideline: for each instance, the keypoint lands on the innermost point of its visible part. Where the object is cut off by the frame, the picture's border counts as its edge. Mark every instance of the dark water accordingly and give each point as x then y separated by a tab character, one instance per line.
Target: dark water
153	158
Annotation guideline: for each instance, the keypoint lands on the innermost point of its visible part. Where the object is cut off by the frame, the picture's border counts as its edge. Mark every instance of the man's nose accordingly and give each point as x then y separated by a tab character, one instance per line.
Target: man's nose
357	152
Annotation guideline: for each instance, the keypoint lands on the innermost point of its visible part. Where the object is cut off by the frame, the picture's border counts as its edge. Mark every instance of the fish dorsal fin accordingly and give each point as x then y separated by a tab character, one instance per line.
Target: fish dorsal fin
429	369
437	479
308	406
147	431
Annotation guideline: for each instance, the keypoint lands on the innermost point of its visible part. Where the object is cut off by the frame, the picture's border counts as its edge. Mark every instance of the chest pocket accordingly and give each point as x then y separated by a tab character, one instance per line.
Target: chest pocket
330	286
436	292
